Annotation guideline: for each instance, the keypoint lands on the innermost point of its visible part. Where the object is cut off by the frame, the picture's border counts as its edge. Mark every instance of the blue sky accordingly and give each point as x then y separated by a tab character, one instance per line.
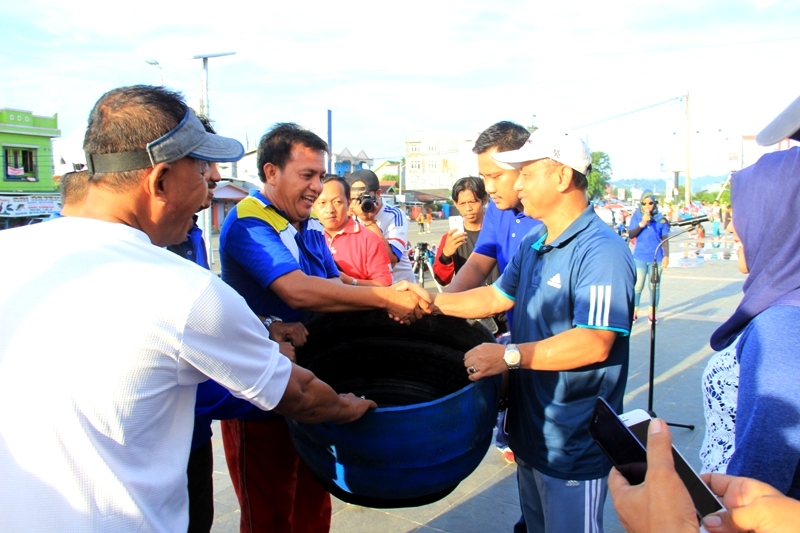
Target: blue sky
452	66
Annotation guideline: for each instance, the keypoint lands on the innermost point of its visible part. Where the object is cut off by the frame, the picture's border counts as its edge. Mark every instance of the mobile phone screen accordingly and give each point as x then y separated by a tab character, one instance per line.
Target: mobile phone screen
618	443
704	500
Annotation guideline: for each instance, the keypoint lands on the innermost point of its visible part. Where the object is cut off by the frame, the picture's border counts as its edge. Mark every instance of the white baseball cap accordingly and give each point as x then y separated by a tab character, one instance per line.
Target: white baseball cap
562	146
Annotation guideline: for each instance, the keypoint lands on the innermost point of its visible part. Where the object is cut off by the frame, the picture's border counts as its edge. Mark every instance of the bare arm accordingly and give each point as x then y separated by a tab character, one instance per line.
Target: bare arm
348	280
571	349
476	303
312	293
373	227
473	274
310	400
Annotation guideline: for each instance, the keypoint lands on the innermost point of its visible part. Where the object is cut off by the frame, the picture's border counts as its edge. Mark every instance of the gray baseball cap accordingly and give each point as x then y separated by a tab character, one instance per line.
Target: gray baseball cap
786	125
188	139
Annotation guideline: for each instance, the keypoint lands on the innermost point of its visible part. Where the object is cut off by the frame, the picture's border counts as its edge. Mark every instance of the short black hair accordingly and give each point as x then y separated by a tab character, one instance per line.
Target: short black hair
470	183
579	180
74	187
334	177
206	122
505	136
276	145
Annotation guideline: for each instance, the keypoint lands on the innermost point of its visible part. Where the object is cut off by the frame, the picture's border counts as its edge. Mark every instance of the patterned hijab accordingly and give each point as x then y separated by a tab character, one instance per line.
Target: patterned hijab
766	206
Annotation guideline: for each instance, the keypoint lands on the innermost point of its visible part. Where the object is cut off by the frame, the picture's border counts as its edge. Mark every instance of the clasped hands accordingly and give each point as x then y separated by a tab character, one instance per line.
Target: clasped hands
409	302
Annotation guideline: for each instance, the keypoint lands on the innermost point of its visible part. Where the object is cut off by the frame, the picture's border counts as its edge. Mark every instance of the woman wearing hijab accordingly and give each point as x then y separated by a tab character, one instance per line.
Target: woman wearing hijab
648	227
752	404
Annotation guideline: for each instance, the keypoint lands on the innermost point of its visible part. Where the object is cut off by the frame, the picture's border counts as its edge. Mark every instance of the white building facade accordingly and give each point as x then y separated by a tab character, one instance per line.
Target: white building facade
435	160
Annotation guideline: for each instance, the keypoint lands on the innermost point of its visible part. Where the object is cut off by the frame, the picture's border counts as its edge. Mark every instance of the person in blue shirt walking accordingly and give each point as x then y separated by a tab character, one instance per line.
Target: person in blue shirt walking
649	227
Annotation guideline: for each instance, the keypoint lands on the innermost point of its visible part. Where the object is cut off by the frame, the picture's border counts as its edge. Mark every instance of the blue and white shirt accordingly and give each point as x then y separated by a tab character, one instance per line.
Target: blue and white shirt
394	225
585	279
258	245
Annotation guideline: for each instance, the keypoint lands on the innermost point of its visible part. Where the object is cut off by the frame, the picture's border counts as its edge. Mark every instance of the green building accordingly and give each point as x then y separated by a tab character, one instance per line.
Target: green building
27	190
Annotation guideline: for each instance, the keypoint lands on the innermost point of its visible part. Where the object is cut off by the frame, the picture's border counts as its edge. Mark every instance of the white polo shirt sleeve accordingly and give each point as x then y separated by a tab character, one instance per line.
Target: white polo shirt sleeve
223	340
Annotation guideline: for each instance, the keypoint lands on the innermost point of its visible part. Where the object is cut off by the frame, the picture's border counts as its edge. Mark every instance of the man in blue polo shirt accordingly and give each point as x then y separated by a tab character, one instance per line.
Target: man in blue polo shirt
573	278
276	257
504	226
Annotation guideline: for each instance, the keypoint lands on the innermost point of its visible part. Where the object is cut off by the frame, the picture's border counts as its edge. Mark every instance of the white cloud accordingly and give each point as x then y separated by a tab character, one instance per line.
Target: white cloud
445	65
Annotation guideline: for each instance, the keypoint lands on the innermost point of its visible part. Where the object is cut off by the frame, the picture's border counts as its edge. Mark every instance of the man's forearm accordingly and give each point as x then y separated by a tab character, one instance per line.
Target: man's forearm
373	227
472	274
312	293
574	348
475	303
310	400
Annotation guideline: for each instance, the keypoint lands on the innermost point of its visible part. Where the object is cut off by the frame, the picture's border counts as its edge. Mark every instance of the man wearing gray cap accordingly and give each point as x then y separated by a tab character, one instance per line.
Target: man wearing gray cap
572	278
96	401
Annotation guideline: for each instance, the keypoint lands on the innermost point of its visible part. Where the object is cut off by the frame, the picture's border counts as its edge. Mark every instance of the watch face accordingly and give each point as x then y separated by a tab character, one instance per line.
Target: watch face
512	356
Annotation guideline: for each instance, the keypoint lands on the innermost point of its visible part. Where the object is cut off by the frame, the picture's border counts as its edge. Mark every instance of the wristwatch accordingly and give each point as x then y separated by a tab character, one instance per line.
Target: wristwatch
512	357
269	320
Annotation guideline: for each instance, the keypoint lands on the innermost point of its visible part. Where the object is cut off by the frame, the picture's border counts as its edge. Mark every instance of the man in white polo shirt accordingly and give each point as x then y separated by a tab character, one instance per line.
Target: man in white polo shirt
106	334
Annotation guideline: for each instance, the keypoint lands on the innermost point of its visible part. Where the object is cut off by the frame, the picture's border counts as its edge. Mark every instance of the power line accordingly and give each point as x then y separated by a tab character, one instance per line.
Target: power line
628	113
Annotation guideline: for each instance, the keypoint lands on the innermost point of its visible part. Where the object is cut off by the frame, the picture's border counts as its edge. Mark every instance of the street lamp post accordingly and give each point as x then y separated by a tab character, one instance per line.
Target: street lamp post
205	110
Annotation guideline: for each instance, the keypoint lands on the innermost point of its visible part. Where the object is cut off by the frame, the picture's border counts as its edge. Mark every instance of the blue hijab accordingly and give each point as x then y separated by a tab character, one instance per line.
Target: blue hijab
765	198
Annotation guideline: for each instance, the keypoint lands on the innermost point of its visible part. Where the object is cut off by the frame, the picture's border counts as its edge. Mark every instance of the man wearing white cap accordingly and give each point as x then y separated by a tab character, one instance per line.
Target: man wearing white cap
573	280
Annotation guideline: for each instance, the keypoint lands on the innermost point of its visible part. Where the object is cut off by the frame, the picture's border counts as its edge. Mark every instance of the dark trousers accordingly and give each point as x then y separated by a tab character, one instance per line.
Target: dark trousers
201	489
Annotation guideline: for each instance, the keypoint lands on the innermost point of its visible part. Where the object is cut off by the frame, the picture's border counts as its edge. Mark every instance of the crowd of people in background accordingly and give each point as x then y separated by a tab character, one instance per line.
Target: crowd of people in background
118	434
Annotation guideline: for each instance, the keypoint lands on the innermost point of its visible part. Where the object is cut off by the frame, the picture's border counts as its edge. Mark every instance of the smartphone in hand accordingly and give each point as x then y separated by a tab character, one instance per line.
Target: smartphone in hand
623	439
457	223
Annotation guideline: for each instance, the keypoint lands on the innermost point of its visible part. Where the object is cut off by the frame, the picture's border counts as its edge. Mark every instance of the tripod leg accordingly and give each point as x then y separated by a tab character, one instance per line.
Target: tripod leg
430	271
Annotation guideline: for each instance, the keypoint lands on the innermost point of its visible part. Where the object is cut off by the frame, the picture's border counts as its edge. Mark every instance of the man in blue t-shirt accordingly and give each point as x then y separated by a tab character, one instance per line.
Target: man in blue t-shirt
504	225
573	281
276	257
505	222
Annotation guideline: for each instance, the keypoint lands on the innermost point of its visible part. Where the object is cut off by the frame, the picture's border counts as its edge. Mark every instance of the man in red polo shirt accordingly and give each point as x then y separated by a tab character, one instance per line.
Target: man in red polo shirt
360	254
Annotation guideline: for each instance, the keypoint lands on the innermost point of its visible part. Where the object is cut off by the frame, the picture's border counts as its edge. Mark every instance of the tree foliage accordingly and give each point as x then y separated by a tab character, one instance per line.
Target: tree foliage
599	176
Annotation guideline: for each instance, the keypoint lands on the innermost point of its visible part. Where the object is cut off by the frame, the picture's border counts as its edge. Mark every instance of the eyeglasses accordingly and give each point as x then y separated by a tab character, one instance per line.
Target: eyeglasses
647	203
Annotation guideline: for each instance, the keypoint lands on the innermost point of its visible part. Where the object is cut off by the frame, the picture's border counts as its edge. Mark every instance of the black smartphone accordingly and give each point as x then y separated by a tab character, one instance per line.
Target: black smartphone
623	439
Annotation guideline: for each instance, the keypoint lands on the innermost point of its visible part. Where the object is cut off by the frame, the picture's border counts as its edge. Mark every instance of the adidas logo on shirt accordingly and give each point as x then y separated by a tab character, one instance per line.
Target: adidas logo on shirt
555	281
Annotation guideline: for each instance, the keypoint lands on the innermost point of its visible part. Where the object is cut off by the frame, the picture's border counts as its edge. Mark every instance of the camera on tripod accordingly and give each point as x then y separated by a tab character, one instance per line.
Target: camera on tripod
367	201
420	256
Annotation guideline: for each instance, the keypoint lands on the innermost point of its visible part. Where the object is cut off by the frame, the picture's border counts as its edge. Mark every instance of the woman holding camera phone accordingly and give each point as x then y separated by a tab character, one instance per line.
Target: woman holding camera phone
750	386
648	227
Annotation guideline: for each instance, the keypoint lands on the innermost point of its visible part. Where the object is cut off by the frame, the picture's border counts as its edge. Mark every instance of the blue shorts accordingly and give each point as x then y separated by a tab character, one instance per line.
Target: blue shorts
553	505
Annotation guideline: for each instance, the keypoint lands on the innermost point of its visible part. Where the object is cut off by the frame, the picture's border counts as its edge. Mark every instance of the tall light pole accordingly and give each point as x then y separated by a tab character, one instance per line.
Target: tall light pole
156	64
688	175
204	107
205	110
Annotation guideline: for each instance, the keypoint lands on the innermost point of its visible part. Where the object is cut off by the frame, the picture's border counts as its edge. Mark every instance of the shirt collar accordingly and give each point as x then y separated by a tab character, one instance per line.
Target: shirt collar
255	193
577	226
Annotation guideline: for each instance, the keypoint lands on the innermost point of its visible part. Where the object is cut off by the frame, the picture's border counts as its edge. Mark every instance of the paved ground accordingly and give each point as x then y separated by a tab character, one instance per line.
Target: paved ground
699	292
